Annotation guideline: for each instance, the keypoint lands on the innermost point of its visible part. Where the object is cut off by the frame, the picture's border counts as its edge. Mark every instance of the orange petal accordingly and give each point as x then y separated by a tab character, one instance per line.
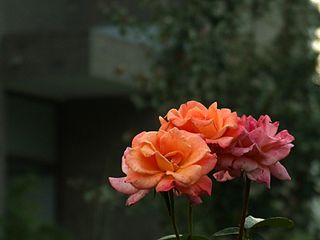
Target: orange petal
139	163
145	137
147	149
163	163
144	181
174	140
184	108
188	175
199	149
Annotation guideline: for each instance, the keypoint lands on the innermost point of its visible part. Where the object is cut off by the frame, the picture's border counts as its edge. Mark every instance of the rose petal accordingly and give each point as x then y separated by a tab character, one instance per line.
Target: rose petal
195	200
279	171
222	176
120	185
135	160
245	164
207	163
174	140
188	175
144	181
222	141
198	146
260	175
163	163
134	198
145	137
165	184
204	185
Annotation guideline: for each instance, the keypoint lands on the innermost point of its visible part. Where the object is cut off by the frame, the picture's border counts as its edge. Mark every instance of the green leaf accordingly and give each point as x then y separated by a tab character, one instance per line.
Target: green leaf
256	236
183	237
169	237
226	232
251	221
273	222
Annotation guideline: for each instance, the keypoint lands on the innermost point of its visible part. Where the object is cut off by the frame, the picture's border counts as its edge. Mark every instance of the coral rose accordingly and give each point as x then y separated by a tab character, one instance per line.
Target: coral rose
257	152
216	126
165	160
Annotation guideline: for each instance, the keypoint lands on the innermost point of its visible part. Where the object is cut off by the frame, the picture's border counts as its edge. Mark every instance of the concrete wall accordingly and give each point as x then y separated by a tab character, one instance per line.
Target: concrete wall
45	15
31	129
94	135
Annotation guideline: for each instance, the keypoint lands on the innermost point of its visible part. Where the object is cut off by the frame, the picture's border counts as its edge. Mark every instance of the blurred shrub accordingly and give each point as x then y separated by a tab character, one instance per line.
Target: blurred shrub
22	220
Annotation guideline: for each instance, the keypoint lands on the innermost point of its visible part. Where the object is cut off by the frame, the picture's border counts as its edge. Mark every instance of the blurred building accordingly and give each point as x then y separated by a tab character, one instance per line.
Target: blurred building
64	103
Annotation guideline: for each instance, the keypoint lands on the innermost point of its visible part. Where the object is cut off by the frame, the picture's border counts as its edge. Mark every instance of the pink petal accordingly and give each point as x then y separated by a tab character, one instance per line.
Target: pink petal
204	185
120	185
165	184
225	161
222	141
208	163
286	136
124	166
222	176
239	151
245	164
279	171
195	200
260	175
134	198
275	154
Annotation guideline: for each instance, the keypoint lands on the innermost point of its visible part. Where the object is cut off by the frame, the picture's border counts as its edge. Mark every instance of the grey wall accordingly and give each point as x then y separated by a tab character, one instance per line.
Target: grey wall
45	15
31	129
94	135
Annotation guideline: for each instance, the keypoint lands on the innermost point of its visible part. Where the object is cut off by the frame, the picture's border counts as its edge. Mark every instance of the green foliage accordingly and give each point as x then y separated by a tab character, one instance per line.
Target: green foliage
252	225
183	237
226	232
22	221
274	222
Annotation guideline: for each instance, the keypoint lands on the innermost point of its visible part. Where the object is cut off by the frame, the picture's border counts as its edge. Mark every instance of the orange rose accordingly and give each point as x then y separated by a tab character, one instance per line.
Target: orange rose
166	160
217	126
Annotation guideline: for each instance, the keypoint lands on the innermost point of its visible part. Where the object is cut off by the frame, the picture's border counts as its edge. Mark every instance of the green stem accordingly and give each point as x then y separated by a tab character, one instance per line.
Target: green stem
190	217
173	215
244	213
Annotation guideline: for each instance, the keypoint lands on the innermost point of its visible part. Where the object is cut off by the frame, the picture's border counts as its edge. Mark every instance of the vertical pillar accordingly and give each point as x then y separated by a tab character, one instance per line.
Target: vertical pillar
2	128
2	18
2	157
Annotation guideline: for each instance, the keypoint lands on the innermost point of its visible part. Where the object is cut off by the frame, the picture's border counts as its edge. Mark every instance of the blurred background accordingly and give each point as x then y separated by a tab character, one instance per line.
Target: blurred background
80	78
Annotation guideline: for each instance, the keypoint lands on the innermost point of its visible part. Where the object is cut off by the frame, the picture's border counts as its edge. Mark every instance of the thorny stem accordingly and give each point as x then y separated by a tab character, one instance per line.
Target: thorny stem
244	213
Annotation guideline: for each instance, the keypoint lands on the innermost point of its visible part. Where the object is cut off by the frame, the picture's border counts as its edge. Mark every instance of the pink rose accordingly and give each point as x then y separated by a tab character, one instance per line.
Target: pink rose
256	152
165	160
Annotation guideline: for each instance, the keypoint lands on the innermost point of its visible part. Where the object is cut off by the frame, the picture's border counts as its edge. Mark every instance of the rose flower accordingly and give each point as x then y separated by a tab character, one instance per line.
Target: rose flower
216	126
256	152
165	160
